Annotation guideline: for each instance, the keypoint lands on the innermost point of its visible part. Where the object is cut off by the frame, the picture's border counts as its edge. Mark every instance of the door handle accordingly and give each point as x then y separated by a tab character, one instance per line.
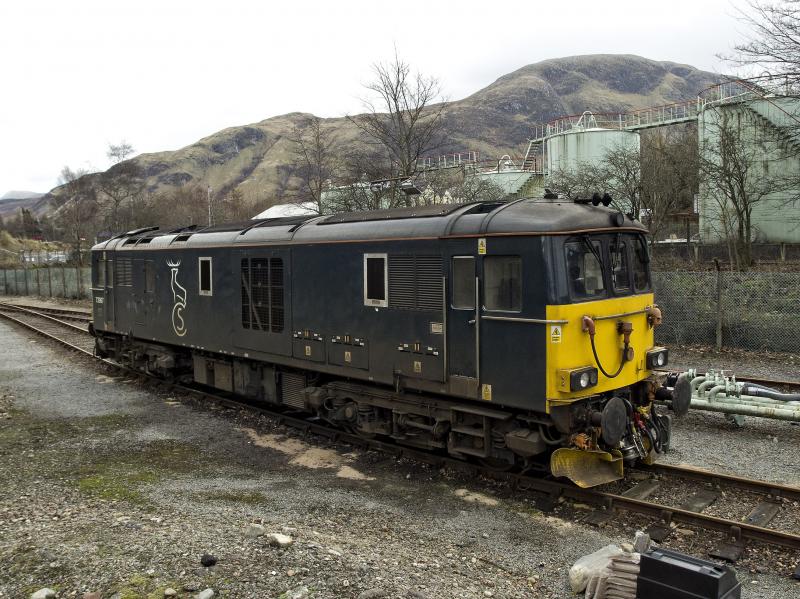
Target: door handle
471	321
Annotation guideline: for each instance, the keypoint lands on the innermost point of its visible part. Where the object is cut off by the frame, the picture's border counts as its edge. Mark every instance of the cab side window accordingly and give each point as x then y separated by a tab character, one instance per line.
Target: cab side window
641	279
502	283
463	282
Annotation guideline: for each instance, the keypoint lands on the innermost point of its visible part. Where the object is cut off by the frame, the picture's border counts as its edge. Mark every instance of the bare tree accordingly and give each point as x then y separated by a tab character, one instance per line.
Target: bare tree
317	160
669	165
118	185
402	115
773	44
455	186
581	181
77	213
119	152
734	169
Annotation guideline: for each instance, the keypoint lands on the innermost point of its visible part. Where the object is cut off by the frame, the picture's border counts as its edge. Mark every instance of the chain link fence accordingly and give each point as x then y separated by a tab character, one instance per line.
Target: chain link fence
754	310
64	281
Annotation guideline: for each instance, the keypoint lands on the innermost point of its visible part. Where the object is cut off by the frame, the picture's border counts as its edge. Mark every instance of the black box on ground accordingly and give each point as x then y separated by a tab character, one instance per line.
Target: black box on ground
666	574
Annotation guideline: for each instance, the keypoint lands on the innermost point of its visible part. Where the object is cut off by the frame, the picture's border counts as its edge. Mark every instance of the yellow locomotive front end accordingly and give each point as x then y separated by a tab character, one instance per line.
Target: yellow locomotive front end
602	360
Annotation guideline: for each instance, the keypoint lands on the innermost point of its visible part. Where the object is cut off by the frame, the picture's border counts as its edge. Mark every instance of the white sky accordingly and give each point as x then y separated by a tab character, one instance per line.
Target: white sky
77	75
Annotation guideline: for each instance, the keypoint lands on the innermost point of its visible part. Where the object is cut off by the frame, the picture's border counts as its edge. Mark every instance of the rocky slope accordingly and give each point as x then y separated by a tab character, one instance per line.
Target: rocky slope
257	158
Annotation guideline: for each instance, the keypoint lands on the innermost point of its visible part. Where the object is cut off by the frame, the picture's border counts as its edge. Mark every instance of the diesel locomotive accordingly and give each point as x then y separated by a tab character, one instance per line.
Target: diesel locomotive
519	334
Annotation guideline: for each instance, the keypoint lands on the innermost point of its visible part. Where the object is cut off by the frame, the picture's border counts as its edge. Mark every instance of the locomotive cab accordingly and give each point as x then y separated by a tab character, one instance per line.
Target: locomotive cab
601	356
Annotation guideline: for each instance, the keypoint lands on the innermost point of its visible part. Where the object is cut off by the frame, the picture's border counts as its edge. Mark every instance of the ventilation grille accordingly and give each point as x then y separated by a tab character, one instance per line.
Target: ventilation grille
262	294
292	386
415	282
124	272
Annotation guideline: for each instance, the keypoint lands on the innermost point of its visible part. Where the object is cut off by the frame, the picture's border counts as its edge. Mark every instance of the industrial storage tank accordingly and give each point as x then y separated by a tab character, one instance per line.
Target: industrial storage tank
576	141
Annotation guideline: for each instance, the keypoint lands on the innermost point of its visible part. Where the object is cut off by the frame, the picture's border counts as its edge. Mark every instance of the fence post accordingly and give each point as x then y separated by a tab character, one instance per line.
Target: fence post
25	275
38	283
719	305
78	282
49	283
64	280
5	283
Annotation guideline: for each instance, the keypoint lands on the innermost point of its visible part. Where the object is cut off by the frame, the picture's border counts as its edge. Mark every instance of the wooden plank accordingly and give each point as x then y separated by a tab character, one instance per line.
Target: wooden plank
699	500
643	490
763	513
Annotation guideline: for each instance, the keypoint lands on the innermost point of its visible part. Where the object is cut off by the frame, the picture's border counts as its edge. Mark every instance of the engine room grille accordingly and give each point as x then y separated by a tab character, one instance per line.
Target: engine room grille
415	282
124	272
262	294
292	386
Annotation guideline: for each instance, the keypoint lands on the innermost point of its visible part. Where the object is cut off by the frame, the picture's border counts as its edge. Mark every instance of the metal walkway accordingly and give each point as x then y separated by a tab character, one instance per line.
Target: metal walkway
728	92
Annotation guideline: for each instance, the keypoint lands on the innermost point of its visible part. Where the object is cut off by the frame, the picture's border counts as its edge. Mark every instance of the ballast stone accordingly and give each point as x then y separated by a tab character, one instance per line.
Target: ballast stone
254	530
277	539
205	594
44	594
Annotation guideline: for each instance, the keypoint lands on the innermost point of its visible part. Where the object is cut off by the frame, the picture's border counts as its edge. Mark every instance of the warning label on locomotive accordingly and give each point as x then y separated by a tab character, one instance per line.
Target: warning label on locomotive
555	333
482	246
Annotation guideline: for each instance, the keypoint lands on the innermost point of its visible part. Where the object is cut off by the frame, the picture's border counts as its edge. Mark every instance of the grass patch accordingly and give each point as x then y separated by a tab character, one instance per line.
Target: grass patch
120	476
244	496
143	587
116	486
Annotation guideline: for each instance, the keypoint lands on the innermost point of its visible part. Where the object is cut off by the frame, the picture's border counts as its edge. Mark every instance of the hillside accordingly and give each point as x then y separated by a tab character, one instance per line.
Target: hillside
12	202
257	158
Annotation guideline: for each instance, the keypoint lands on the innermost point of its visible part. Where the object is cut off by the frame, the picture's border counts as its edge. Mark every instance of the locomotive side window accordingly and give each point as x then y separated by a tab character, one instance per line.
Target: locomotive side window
464	282
502	283
584	270
375	280
620	273
100	273
149	277
205	276
641	280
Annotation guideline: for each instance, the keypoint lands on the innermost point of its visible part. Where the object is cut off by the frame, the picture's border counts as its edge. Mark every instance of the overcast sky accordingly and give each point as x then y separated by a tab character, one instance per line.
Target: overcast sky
77	75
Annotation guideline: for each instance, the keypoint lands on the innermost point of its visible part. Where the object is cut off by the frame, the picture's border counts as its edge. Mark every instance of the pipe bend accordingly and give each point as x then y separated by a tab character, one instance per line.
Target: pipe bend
696	381
705	385
712	395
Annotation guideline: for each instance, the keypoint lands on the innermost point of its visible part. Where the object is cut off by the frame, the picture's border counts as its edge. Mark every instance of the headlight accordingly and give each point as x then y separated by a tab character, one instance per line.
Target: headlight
657	358
576	379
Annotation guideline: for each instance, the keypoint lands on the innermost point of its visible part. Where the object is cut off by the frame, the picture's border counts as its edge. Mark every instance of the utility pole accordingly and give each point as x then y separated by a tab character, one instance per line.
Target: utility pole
209	206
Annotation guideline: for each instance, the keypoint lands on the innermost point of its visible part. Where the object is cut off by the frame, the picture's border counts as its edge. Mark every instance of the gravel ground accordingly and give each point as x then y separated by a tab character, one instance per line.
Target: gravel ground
115	488
773	365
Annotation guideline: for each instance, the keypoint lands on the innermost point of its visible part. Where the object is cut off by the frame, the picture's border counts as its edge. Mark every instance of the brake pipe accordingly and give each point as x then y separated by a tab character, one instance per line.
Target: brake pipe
589	327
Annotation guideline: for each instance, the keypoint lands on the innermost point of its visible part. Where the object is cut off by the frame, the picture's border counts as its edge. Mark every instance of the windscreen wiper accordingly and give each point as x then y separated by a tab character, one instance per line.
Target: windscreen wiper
595	253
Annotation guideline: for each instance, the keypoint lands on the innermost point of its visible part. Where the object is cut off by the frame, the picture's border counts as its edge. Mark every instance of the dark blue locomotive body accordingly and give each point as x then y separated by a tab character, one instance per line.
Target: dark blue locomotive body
429	324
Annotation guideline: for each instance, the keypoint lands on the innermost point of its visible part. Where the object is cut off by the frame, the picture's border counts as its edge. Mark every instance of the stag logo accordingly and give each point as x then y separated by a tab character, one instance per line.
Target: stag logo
179	297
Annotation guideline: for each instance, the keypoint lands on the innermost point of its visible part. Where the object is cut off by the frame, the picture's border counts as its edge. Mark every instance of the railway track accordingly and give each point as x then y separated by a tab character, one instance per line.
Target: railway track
61	313
667	495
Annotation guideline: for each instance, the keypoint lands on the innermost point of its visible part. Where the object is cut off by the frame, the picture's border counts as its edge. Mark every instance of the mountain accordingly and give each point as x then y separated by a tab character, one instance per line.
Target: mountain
20	195
12	202
497	120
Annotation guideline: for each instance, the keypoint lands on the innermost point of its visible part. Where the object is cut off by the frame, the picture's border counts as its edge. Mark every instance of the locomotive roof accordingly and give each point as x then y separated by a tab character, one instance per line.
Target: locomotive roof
476	219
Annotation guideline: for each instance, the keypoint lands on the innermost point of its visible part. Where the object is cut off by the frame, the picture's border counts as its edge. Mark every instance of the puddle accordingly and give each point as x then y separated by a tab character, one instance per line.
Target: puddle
307	456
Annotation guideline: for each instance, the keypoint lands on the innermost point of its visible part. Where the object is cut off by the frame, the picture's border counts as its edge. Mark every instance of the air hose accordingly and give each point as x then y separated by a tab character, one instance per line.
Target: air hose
625	329
600	366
